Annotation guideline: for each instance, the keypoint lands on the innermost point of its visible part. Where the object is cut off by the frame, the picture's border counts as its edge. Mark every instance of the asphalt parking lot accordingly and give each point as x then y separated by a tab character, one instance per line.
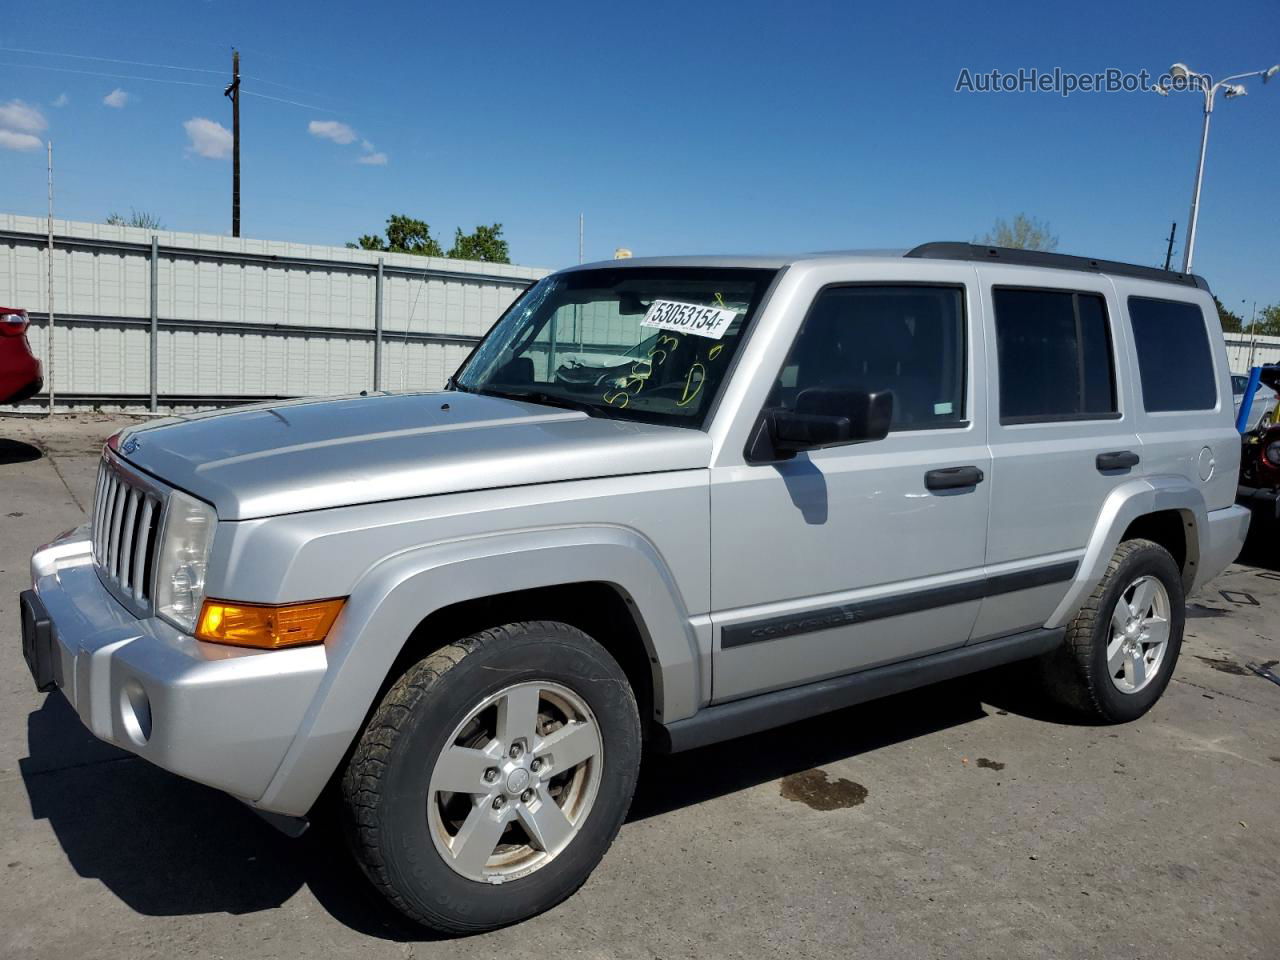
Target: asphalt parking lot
969	820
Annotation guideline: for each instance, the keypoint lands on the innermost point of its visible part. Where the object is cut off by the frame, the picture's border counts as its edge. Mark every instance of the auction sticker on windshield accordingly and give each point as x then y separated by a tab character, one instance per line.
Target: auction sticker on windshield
689	318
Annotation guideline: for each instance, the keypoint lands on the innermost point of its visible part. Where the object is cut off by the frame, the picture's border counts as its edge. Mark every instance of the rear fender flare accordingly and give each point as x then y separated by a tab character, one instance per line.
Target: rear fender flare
1125	504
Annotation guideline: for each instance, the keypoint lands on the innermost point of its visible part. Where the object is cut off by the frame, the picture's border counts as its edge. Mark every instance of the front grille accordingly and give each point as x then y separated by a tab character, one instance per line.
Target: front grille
126	534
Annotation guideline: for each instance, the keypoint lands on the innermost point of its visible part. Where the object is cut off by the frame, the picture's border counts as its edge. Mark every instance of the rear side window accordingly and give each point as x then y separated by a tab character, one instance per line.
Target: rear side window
1055	356
1173	355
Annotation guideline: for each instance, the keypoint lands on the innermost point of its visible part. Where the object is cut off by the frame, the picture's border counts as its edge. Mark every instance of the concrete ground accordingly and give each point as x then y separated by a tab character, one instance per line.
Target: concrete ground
962	821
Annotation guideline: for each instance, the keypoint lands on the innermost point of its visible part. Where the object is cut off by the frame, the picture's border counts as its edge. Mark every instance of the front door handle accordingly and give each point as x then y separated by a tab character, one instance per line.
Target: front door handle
952	478
1117	460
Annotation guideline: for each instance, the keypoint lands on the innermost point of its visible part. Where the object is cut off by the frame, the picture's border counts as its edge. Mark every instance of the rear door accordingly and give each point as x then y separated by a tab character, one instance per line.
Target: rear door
1185	409
1063	433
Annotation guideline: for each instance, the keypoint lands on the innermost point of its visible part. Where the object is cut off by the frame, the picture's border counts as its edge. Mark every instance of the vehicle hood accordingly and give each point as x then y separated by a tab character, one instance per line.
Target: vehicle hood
289	457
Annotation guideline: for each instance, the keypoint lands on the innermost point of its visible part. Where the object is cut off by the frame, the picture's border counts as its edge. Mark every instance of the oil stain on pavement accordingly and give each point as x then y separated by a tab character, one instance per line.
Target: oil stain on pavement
815	790
1225	666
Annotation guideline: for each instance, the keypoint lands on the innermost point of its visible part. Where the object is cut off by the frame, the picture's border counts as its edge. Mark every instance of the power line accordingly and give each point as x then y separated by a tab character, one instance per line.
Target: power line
293	103
141	63
285	86
183	83
117	76
132	63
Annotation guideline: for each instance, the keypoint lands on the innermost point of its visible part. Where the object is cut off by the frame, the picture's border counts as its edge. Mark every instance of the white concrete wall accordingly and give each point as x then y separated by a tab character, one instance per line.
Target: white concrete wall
219	356
1266	350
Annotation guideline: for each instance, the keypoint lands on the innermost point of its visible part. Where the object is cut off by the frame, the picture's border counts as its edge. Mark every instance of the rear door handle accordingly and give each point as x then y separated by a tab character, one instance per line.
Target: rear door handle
952	478
1117	460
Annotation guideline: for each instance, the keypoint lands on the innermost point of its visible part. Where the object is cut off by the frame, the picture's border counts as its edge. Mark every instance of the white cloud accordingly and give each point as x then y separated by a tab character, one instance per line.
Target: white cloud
208	138
19	141
366	146
62	100
116	98
374	159
16	115
331	130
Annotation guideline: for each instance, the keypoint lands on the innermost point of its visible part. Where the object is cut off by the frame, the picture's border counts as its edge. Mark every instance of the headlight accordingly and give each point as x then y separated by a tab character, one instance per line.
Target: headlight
1272	453
183	560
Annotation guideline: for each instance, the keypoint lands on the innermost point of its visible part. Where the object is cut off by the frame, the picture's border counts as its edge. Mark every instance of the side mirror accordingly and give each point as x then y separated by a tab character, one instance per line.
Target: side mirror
823	417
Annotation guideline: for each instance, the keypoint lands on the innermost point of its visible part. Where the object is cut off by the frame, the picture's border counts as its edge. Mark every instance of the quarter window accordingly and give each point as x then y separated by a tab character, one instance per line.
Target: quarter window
906	339
1055	356
1173	355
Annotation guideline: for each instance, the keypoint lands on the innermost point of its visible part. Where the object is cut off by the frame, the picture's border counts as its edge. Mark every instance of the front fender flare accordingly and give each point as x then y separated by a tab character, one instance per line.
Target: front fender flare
397	593
1125	504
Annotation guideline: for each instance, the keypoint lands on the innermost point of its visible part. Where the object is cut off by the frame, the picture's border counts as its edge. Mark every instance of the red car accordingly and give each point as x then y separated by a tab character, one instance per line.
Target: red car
20	373
1259	488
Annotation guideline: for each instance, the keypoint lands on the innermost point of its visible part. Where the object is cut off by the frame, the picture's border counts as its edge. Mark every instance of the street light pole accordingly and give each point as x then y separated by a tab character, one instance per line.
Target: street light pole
1190	79
1195	194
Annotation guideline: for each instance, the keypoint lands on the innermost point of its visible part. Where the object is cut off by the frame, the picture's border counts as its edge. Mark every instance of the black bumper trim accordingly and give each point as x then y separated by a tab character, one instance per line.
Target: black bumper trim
37	642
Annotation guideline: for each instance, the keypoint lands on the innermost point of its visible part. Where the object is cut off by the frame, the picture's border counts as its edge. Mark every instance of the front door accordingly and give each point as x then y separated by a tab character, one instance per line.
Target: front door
852	556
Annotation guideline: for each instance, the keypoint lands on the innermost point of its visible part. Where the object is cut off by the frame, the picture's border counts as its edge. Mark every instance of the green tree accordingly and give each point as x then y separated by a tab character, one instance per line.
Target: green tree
1269	321
407	235
136	218
1231	323
1025	233
483	243
404	235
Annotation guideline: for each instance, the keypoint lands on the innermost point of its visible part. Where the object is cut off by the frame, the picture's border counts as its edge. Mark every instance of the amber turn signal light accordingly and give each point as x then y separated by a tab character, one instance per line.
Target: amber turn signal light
267	626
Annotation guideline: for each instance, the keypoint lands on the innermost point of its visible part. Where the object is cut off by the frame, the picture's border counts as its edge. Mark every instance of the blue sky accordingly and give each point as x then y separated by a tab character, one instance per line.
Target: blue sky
675	127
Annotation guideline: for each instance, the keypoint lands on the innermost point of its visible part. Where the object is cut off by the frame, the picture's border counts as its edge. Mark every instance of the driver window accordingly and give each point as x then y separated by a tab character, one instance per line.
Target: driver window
906	339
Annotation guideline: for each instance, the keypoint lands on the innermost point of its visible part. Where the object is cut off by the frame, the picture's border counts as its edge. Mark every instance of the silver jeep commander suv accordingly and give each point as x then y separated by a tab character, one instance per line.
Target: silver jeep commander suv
665	502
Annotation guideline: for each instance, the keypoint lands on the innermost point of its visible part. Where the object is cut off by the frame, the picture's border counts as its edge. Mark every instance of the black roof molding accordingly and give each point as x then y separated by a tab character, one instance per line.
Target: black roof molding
979	253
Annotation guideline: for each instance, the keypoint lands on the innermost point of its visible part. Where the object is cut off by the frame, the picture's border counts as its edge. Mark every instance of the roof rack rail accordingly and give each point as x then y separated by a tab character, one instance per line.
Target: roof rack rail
1058	261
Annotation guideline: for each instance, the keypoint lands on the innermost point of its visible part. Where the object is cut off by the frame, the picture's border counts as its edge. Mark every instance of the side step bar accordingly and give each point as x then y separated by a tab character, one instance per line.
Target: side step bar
737	718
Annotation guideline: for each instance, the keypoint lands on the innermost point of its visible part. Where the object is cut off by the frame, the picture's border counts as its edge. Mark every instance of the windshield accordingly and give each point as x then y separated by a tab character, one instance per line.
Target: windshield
640	343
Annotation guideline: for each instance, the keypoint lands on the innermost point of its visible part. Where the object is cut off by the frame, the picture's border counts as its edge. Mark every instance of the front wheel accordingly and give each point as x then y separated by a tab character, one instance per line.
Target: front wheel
1121	648
493	776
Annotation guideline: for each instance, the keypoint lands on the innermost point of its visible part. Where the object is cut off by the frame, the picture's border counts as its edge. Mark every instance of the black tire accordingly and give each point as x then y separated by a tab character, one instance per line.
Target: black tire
1076	673
385	785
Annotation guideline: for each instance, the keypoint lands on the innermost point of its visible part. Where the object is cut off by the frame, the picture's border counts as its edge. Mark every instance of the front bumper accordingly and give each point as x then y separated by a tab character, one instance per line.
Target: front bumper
27	392
218	715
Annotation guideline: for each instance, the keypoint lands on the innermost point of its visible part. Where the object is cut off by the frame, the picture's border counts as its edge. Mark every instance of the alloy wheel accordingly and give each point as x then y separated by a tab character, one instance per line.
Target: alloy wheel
515	782
1139	634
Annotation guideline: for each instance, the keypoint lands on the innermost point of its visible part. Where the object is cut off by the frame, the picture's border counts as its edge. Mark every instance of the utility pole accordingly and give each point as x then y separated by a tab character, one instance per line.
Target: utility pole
577	308
1168	253
1253	333
48	358
233	91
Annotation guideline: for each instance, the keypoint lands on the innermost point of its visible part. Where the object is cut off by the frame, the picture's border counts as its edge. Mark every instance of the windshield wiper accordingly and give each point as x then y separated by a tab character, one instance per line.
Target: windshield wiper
550	400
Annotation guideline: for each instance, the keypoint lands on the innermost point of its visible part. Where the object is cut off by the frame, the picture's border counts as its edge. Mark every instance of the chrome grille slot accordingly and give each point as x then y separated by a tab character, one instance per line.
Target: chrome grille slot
125	529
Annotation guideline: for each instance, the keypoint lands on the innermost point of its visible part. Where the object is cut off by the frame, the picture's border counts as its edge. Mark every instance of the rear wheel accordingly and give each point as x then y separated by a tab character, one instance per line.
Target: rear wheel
493	776
1120	650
